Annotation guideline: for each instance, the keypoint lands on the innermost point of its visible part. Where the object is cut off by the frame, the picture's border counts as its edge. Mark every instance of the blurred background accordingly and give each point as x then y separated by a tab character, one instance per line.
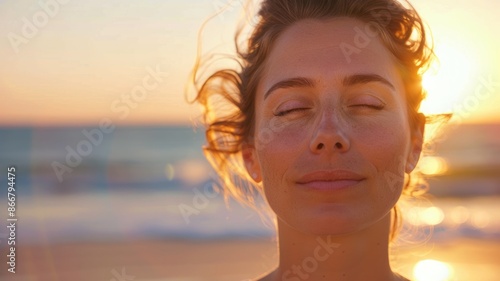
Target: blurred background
111	181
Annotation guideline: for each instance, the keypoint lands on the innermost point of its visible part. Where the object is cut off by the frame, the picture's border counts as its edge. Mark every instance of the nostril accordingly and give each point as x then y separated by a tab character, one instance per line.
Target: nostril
320	146
338	145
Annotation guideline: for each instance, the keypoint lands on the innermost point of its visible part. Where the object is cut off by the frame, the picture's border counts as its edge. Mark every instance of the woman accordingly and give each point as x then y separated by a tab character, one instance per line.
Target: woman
323	119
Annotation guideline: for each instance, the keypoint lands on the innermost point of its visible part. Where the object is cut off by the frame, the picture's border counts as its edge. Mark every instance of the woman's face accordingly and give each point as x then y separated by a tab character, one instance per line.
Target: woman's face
332	139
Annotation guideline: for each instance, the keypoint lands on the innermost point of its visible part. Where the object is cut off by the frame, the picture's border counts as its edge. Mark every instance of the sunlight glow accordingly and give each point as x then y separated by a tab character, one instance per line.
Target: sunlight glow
460	215
433	165
432	270
480	219
447	79
432	216
425	216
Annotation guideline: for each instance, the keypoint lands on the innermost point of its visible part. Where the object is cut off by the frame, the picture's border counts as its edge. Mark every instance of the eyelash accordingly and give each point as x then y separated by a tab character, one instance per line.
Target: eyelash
285	112
372	106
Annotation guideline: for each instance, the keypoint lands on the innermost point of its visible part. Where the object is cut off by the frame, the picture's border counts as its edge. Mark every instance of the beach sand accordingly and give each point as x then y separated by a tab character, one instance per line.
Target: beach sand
218	260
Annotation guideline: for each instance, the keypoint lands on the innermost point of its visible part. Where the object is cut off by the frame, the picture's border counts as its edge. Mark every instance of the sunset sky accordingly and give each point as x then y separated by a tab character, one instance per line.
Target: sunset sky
77	62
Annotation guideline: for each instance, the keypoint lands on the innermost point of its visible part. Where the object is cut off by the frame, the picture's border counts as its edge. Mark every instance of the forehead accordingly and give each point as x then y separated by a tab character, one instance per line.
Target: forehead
328	49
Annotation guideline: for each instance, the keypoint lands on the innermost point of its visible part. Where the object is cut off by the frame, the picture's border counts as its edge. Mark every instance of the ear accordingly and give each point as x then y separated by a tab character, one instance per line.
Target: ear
251	161
417	140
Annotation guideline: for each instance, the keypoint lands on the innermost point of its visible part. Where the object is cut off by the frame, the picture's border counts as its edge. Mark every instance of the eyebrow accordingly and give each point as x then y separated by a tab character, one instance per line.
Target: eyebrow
298	82
364	79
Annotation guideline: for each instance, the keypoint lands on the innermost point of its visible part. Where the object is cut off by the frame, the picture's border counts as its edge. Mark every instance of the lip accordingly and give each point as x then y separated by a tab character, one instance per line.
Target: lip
330	179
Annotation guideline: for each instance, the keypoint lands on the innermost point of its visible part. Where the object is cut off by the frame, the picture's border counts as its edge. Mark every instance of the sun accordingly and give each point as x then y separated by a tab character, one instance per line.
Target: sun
448	80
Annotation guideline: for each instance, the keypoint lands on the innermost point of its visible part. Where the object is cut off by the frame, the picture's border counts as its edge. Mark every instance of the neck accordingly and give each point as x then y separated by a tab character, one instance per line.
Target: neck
356	256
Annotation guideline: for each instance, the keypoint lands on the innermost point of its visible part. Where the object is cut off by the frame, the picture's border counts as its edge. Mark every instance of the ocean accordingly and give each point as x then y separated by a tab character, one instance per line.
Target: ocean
86	184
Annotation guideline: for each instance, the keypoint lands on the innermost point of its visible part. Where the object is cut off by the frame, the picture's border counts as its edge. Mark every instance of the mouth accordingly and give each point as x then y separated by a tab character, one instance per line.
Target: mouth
330	180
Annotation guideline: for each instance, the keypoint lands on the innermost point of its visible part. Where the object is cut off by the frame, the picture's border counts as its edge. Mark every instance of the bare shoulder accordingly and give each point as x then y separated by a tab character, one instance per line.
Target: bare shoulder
269	276
401	277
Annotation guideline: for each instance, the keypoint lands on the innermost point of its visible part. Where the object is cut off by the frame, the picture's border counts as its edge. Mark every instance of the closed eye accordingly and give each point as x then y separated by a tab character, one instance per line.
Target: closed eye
372	106
366	100
285	112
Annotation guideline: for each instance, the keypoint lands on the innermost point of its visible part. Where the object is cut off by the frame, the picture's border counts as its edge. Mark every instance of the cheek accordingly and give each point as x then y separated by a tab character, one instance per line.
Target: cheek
385	146
384	137
278	144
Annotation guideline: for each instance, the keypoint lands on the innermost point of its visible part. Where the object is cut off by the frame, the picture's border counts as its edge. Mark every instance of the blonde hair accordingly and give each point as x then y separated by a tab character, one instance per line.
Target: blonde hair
228	95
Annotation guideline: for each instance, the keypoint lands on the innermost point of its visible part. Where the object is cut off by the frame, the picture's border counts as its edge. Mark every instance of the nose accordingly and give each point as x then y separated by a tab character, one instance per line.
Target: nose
329	135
